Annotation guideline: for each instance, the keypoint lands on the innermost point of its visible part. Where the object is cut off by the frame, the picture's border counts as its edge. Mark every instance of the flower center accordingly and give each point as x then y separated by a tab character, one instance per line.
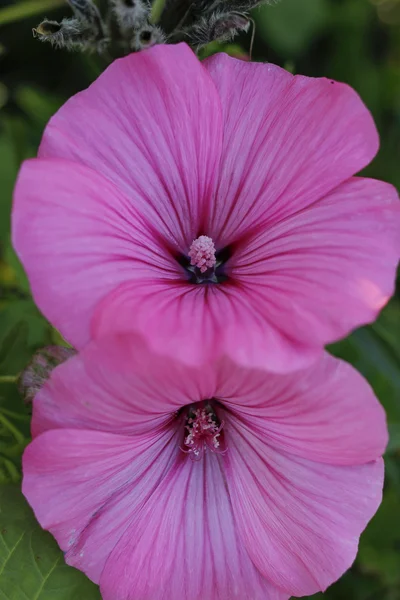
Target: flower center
202	253
202	431
203	263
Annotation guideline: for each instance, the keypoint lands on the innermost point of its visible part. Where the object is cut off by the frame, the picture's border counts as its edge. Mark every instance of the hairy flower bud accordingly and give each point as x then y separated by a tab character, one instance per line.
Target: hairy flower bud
38	371
220	27
146	37
130	14
84	31
70	34
129	26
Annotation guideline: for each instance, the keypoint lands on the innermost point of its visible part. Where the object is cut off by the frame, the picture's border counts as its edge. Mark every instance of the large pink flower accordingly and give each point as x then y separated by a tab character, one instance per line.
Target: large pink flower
162	150
166	482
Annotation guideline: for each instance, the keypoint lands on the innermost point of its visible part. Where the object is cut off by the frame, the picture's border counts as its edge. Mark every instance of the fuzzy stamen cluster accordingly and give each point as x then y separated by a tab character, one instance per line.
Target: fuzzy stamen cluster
202	253
203	432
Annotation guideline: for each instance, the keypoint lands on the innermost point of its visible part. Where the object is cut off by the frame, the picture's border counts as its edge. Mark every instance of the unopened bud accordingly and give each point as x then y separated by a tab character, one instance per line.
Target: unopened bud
38	371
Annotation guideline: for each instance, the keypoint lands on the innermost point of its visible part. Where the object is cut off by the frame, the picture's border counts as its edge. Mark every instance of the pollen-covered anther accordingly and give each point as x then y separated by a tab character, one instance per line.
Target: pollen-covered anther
203	432
202	253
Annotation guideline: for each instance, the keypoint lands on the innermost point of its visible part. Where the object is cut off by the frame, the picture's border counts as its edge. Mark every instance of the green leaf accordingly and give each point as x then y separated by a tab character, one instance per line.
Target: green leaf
14	343
32	566
379	548
394	438
291	25
8	172
375	352
17	268
37	105
14	432
22	331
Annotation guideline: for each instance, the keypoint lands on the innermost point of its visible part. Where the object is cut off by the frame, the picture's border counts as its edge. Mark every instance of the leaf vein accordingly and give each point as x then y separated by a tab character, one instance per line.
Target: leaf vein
45	579
11	553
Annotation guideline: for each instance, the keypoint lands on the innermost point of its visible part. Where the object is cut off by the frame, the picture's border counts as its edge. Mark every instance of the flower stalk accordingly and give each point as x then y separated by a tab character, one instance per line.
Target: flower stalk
8	378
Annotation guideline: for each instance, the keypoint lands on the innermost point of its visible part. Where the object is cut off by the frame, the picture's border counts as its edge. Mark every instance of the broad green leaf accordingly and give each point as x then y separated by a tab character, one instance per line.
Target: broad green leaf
387	327
290	26
375	352
8	172
14	431
17	268
353	586
37	105
14	147
32	566
392	472
22	331
379	550
14	344
394	438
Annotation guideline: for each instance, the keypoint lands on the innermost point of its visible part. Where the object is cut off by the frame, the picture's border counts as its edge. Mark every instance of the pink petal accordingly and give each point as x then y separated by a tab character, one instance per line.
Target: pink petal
299	520
295	286
183	544
119	505
152	124
328	269
84	487
199	323
288	141
327	413
118	385
79	237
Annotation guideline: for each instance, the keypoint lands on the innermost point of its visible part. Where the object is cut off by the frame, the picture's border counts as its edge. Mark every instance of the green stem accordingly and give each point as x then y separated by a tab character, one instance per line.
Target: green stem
12	470
8	378
14	415
156	10
22	10
12	429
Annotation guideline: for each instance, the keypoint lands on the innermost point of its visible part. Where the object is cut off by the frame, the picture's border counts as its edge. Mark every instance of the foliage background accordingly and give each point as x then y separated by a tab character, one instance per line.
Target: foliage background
357	41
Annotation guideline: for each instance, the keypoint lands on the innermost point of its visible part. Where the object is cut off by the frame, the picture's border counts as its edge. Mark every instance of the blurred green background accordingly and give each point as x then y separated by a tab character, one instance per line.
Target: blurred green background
356	41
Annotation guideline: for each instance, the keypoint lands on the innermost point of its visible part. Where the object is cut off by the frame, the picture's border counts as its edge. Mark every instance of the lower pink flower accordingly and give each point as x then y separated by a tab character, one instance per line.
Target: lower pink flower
163	482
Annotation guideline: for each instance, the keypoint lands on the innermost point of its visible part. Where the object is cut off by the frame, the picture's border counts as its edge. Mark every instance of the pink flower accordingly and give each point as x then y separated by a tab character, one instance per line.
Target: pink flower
285	473
162	151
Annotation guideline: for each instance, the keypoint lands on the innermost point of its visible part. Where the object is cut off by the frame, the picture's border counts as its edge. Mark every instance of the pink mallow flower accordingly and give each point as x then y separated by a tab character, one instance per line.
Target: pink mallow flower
165	166
216	482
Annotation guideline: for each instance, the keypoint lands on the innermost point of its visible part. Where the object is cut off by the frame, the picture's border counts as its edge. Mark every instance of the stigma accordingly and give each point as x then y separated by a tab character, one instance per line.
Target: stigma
202	254
203	431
